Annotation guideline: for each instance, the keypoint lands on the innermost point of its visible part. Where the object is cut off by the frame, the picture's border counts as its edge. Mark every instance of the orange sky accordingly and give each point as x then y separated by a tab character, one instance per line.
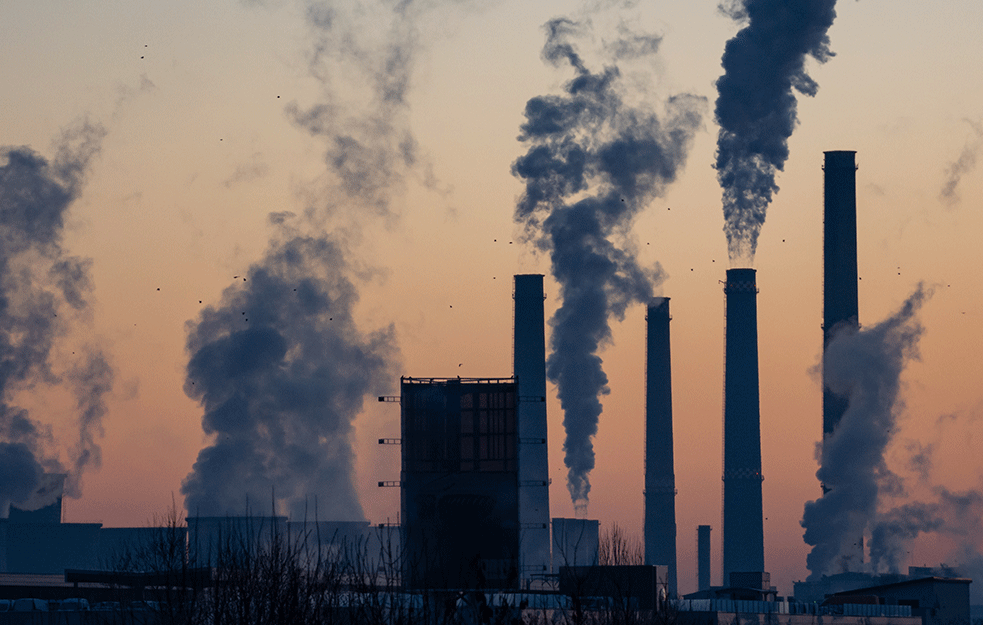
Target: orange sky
199	150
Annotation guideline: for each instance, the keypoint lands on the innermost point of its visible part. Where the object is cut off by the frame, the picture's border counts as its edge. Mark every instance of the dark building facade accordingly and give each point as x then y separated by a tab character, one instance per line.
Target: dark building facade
743	532
660	479
840	299
459	483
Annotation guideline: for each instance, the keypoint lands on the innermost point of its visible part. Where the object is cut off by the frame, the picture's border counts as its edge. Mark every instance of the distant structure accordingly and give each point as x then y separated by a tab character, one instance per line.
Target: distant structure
459	483
45	503
840	299
702	557
529	369
743	533
660	479
576	543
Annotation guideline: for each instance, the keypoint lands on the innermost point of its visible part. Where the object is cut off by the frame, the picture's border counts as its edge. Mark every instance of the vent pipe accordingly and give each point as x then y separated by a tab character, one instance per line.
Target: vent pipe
840	301
529	368
743	533
660	480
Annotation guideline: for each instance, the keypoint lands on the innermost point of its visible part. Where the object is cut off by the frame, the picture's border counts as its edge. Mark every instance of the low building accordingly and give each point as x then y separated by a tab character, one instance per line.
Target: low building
935	600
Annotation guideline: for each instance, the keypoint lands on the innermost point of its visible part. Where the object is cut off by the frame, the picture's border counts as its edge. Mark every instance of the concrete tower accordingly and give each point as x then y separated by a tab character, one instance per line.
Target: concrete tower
743	527
529	368
660	479
840	308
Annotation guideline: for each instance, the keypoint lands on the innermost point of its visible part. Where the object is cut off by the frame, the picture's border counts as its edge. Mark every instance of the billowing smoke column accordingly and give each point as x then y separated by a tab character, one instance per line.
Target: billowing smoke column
840	298
756	107
44	293
743	523
281	370
660	477
280	366
529	368
614	158
865	367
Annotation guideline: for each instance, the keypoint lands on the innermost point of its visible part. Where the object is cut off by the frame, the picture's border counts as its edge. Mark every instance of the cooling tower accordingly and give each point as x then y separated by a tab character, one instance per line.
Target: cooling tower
702	557
660	480
743	533
529	368
840	308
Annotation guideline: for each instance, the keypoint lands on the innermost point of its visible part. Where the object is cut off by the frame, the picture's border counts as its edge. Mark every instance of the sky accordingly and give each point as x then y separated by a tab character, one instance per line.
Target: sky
215	115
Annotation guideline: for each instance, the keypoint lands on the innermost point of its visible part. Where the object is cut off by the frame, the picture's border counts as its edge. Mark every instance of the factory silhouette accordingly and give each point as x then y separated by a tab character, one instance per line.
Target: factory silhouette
474	492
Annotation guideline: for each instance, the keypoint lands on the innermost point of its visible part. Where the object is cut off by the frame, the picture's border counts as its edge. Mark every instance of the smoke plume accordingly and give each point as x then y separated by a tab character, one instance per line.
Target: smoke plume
756	106
953	514
281	390
281	370
864	366
593	163
966	162
44	294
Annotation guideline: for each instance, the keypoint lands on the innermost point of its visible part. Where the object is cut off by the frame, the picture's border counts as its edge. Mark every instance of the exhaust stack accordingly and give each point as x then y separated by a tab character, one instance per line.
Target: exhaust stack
660	480
840	300
743	532
529	368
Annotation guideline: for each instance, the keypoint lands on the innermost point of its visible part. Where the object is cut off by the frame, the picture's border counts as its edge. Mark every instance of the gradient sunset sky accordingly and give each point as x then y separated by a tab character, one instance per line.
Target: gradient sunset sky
196	99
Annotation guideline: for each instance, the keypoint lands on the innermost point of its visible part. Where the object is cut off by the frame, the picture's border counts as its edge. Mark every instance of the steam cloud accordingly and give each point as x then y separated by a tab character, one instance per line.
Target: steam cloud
281	391
865	366
43	293
756	107
614	158
282	369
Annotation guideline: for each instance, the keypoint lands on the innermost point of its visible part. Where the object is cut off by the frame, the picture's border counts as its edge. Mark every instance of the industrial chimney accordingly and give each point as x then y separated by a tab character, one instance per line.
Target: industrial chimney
529	368
703	557
840	308
660	480
743	532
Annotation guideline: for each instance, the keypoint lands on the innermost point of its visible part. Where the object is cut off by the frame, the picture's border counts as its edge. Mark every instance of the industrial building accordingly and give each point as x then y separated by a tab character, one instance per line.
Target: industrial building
459	483
576	542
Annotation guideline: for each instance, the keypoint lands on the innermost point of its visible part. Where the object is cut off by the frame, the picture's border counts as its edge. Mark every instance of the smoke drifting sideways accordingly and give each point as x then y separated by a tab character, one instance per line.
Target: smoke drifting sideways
593	163
281	370
865	366
756	107
44	295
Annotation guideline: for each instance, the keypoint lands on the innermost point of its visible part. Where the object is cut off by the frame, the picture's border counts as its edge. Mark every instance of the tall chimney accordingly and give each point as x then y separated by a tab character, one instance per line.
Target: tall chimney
702	557
529	368
743	528
840	308
660	479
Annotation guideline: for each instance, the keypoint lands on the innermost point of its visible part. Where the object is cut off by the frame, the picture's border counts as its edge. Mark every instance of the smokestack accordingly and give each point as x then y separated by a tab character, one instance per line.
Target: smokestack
840	307
529	368
743	528
660	480
702	557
